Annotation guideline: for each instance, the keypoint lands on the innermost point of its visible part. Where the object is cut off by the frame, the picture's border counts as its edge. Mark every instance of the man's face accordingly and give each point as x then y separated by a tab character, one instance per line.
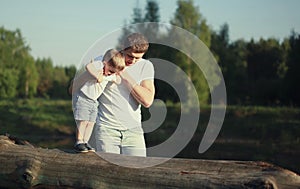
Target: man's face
132	57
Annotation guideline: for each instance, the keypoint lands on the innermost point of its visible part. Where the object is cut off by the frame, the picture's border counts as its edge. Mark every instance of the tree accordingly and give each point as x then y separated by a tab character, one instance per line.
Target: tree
28	79
292	77
139	23
235	73
152	11
8	83
137	15
20	75
188	17
46	69
8	72
264	60
231	58
70	71
60	83
151	15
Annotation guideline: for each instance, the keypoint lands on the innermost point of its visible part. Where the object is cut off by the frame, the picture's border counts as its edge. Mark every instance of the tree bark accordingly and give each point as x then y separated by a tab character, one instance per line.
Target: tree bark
24	166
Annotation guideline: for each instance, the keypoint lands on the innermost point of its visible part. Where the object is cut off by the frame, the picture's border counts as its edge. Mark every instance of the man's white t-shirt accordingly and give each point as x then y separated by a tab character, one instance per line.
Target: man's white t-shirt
93	89
117	107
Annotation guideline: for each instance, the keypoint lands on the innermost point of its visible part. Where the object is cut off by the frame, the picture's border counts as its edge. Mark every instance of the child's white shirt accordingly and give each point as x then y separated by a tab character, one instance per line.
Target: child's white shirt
93	89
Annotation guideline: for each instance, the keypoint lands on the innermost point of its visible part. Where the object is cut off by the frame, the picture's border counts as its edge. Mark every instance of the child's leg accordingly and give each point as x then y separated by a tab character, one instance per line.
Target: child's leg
88	131
80	145
80	132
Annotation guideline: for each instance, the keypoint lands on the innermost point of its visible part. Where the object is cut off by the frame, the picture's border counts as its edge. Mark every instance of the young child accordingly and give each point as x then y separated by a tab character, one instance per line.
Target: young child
87	89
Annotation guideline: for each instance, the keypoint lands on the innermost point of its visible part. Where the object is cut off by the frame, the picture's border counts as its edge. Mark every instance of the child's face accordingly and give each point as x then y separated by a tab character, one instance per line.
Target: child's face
108	70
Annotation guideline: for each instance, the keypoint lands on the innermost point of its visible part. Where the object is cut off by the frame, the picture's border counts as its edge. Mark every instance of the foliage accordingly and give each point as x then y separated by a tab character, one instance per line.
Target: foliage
17	62
23	77
231	59
262	72
28	79
188	17
264	60
137	23
152	10
292	77
8	83
44	66
256	72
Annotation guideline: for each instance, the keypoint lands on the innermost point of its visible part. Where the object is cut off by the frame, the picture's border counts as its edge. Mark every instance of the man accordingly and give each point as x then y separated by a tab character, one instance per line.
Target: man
118	125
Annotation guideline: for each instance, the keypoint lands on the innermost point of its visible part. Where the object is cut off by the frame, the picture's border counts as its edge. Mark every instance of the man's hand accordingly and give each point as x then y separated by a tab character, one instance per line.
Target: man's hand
143	92
130	82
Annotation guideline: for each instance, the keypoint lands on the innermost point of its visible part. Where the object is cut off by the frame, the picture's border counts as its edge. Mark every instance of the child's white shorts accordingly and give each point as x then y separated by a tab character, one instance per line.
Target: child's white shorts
84	108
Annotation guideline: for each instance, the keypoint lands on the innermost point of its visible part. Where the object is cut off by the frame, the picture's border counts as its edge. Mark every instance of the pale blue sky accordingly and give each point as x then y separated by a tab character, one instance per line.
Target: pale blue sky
64	29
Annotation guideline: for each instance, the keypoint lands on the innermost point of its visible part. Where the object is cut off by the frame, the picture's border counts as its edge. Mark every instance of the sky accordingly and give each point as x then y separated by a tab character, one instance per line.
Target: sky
63	30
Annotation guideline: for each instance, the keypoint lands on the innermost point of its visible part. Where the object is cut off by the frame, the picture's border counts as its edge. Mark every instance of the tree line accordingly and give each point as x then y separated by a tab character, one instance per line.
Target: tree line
256	72
21	76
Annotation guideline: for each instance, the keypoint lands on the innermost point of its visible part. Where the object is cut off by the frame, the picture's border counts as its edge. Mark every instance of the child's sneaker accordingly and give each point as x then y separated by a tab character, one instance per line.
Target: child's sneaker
89	147
81	148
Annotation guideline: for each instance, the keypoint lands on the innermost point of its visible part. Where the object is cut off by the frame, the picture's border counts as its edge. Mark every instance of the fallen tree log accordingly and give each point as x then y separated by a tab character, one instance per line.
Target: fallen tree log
24	166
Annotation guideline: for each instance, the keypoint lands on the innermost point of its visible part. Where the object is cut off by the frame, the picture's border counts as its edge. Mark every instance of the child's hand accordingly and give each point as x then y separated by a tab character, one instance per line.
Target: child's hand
118	80
100	78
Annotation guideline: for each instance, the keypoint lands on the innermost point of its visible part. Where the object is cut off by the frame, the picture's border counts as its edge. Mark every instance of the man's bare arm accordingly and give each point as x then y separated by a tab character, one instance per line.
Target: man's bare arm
143	93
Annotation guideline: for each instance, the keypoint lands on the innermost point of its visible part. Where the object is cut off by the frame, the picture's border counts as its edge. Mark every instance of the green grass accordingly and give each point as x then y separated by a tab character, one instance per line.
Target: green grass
257	133
36	119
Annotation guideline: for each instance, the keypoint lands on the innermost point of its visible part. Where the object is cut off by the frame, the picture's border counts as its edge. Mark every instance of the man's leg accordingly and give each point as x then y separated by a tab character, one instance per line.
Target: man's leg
133	143
107	140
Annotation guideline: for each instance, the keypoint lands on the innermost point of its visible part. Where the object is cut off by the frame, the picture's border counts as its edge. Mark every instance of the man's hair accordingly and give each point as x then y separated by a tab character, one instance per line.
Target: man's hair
115	59
136	42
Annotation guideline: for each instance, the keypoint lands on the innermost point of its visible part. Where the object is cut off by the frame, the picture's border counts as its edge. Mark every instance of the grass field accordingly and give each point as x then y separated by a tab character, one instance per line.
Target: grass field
38	120
269	134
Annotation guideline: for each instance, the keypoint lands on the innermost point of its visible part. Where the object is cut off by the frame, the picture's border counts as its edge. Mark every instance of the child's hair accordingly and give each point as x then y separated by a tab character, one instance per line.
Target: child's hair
136	42
115	59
